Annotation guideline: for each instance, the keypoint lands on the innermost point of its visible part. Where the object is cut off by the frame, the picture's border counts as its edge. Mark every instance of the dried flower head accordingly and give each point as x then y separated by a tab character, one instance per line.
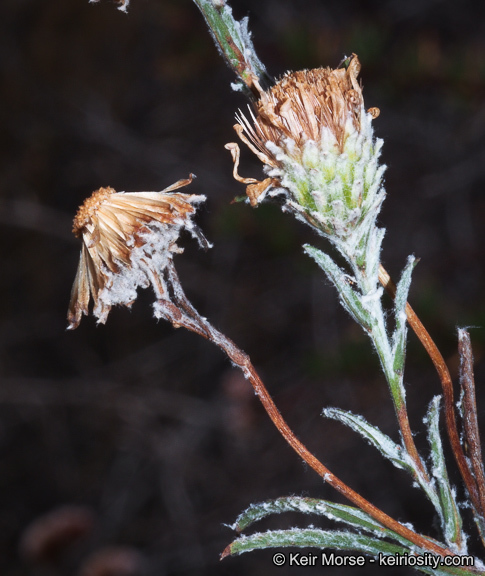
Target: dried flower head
127	241
315	139
303	105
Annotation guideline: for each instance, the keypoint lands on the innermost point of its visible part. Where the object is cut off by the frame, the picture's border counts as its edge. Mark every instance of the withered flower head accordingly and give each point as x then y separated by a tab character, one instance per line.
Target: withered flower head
127	241
315	140
303	106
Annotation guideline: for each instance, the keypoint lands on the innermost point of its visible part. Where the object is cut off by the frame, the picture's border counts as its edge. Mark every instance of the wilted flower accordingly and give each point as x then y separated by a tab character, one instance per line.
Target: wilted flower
128	241
315	139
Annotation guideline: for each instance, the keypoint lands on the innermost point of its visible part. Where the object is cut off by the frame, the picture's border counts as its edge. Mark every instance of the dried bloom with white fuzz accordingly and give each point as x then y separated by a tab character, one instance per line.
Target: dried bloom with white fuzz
315	139
128	239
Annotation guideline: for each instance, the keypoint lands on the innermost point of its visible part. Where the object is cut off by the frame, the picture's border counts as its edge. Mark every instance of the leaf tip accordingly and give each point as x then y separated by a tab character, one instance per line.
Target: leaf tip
226	552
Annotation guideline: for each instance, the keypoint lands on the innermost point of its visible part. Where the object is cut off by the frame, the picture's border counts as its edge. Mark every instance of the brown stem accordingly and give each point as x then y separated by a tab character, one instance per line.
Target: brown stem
446	384
470	421
181	313
354	497
407	436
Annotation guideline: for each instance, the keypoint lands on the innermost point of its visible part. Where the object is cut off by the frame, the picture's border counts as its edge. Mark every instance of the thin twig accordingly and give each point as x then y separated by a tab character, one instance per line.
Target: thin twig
182	313
470	421
324	472
407	436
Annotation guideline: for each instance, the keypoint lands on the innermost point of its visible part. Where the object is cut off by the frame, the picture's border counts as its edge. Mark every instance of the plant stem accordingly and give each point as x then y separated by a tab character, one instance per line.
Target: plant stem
379	337
245	365
233	41
180	312
365	305
447	386
470	422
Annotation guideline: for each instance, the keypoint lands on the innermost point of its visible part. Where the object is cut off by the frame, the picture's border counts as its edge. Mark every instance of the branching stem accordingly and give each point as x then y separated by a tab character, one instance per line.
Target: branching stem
447	386
180	312
399	401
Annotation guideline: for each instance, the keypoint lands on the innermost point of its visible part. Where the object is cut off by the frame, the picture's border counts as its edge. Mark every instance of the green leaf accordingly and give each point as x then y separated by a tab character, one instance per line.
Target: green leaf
341	541
349	298
450	517
352	516
400	332
387	447
313	538
233	40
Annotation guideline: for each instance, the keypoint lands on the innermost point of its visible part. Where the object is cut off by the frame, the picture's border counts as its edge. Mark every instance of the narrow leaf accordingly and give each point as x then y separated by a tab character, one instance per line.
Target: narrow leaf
349	298
352	516
400	331
450	516
387	447
470	426
313	538
377	549
233	40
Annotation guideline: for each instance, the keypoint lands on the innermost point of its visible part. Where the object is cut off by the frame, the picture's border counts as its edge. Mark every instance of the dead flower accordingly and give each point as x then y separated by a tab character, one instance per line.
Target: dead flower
128	239
321	106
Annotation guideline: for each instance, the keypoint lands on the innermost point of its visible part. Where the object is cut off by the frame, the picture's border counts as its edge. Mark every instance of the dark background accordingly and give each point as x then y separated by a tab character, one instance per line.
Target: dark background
150	428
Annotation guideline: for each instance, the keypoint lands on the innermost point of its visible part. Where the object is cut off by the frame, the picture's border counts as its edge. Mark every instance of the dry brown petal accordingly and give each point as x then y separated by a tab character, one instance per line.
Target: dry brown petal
302	103
374	112
254	187
111	224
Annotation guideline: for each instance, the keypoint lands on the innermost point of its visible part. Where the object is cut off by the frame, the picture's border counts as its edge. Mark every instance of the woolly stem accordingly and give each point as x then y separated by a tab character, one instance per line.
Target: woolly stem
233	41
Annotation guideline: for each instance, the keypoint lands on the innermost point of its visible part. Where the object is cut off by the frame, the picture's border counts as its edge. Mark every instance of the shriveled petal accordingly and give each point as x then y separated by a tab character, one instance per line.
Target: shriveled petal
79	302
301	107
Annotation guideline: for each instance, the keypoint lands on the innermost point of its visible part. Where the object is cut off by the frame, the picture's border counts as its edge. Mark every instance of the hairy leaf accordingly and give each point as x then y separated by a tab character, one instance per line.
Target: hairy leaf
350	515
450	517
349	298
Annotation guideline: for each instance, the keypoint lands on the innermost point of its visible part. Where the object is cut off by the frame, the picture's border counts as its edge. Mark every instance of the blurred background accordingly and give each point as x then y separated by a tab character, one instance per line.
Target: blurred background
125	448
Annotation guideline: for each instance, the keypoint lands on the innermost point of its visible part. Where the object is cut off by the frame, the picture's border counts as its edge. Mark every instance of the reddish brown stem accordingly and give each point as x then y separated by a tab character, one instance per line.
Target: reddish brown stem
354	497
446	384
180	312
470	421
407	436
